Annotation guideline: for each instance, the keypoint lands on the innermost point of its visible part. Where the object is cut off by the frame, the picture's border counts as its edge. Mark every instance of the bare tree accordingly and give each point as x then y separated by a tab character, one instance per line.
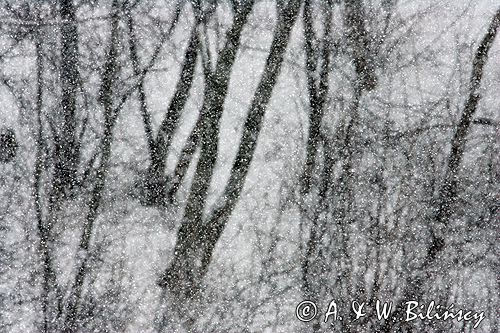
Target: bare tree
350	156
448	191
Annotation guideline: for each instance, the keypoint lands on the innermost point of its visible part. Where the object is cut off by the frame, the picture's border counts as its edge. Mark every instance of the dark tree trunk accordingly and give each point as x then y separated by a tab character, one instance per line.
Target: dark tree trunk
67	150
355	21
196	238
70	323
317	86
180	276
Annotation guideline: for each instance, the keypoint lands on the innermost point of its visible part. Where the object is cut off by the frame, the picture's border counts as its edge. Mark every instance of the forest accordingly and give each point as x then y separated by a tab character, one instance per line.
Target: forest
249	166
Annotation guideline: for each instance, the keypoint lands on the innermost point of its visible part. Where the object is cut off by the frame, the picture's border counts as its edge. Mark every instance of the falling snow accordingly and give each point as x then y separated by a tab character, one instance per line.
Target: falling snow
249	166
